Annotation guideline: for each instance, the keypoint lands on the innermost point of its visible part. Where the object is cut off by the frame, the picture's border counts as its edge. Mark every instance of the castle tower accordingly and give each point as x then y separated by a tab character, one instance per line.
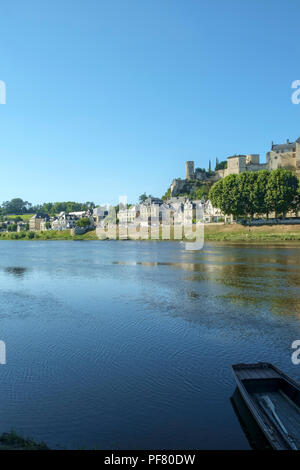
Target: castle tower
189	170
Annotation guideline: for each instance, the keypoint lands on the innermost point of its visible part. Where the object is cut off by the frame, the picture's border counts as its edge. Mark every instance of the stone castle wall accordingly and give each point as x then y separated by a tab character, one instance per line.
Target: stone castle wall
285	156
285	160
281	156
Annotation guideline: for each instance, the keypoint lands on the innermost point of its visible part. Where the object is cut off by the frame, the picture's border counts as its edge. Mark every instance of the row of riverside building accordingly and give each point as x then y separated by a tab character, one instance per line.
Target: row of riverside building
151	212
173	211
176	210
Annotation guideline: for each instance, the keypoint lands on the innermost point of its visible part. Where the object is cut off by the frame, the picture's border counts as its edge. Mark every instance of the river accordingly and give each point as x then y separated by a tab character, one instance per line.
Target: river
128	345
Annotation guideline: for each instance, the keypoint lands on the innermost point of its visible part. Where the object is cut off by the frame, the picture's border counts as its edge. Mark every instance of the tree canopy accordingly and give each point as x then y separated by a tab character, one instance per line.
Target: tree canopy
143	197
18	206
83	222
260	192
282	188
221	165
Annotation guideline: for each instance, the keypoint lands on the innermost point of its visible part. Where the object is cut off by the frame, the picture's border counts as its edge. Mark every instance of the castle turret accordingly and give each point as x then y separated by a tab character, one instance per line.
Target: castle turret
189	170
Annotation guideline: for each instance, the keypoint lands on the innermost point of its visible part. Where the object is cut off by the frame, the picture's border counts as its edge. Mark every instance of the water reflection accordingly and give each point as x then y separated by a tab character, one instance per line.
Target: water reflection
254	435
131	344
243	276
16	271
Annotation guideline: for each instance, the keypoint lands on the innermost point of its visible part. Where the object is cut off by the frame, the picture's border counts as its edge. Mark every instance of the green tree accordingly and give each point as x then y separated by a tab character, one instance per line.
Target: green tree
16	206
143	197
232	198
221	165
251	193
259	191
282	190
226	194
247	196
167	194
216	194
83	222
296	203
199	192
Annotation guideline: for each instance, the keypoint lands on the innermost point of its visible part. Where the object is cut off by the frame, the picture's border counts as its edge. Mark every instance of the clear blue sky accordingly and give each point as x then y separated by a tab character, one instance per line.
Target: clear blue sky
110	97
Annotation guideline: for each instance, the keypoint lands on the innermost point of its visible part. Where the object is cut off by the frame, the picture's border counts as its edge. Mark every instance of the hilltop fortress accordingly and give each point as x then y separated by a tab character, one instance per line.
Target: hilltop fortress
280	156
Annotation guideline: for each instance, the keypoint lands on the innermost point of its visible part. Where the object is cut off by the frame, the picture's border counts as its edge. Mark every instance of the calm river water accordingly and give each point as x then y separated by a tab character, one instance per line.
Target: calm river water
128	345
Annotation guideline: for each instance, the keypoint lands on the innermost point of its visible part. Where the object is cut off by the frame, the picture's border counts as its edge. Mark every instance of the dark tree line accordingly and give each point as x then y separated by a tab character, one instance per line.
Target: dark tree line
261	193
18	206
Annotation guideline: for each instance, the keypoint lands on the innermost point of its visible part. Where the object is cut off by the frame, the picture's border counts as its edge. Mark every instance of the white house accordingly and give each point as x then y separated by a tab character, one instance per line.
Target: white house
211	213
64	221
130	215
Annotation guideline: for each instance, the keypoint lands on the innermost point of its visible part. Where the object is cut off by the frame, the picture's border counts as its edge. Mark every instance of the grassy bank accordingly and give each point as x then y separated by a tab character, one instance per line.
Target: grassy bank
49	235
215	233
239	233
13	441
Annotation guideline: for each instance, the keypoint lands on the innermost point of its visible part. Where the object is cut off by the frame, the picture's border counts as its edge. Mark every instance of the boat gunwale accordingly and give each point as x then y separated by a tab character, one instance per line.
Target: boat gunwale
253	408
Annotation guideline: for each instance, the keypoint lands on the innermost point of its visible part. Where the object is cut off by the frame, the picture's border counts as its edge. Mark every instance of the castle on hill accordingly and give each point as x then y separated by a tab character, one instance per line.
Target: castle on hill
280	156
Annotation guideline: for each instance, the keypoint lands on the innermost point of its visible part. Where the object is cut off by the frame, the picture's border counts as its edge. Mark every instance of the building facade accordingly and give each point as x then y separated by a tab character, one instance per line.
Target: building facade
35	223
240	163
285	156
128	216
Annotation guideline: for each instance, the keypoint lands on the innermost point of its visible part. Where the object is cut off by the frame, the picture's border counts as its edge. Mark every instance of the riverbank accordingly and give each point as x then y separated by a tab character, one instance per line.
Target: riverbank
13	441
49	235
214	233
240	233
